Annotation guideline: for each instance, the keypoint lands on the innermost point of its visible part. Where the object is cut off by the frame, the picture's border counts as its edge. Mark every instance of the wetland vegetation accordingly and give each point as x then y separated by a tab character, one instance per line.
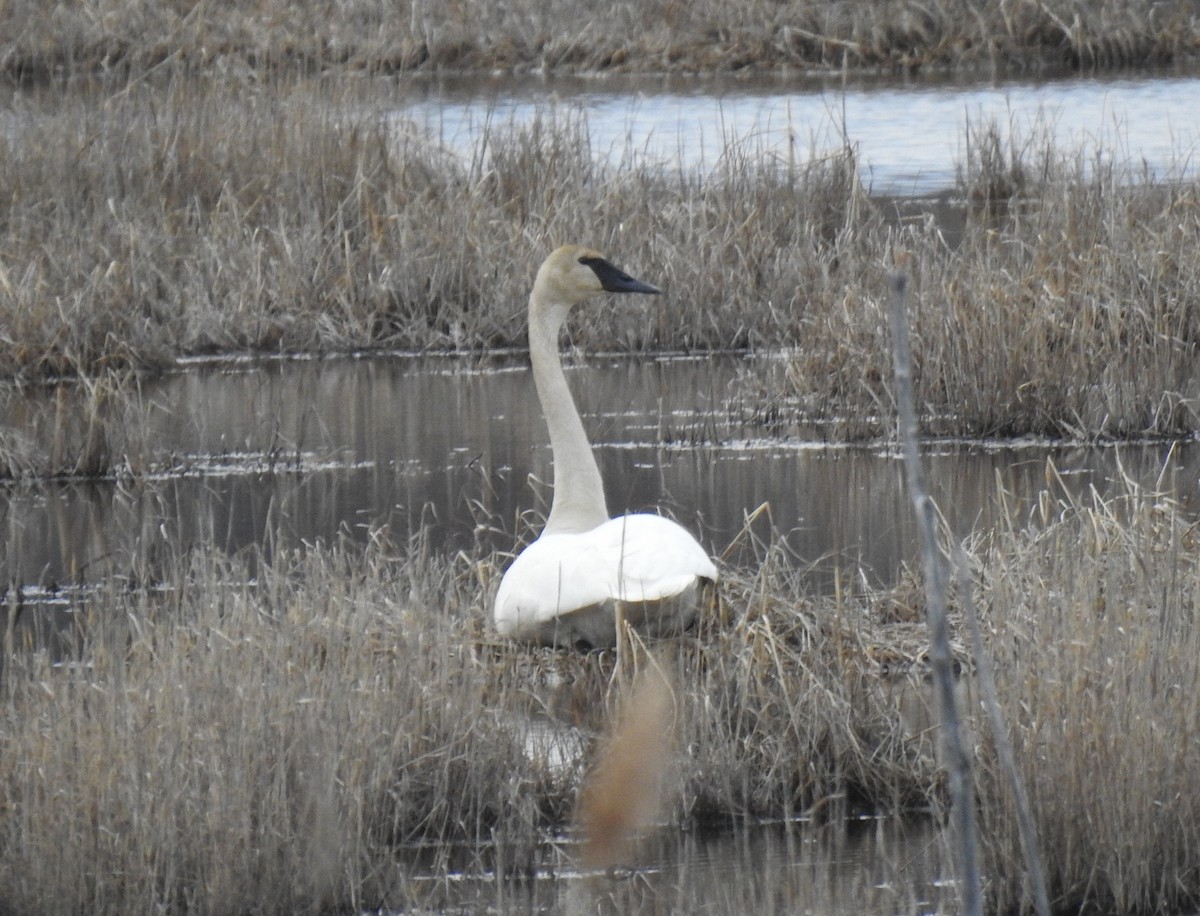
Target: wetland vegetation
211	740
658	36
235	735
214	215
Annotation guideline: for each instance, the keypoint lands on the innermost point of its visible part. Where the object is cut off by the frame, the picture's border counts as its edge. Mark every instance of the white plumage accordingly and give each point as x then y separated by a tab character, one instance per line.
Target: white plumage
567	586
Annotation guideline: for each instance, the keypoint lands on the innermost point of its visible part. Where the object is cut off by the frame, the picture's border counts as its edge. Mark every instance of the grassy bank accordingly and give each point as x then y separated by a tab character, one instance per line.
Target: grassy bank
208	216
223	746
704	36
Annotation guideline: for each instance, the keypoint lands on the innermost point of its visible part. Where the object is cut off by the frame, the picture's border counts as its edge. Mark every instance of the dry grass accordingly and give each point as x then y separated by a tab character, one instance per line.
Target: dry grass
216	745
213	744
663	35
1069	310
1066	310
143	224
214	216
1093	611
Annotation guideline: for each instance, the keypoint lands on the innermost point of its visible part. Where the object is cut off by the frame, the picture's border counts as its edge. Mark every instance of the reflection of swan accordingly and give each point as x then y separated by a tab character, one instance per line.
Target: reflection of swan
567	586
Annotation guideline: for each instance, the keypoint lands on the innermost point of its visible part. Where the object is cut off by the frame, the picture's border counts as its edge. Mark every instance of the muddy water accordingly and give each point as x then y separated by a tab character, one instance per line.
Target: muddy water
270	455
911	137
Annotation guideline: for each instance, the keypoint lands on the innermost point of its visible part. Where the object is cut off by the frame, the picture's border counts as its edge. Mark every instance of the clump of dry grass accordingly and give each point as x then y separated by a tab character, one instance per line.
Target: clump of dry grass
214	216
702	36
1092	609
1063	311
1071	317
217	743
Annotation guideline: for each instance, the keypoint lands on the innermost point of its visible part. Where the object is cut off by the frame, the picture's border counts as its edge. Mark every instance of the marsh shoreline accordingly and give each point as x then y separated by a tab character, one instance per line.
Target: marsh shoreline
213	215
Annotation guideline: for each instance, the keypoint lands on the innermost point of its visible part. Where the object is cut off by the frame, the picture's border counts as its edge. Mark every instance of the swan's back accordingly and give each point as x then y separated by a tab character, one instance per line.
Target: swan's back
648	564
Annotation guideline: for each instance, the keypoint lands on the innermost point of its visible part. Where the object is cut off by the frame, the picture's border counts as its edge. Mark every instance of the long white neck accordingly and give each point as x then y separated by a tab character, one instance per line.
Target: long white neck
578	503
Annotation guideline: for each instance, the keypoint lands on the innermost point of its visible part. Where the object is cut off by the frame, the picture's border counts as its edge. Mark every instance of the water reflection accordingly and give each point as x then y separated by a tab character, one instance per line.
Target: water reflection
864	866
270	456
910	136
872	866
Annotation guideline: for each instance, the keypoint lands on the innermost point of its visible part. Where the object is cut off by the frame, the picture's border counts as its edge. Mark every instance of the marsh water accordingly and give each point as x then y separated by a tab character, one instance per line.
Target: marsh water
860	865
270	455
283	452
911	138
264	455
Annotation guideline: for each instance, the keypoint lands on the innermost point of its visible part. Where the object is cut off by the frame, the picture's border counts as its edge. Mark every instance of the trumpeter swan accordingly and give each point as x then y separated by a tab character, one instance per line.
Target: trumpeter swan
566	587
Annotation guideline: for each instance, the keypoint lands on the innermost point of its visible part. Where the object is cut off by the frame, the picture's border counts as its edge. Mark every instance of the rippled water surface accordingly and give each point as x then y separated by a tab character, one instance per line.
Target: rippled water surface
271	455
861	866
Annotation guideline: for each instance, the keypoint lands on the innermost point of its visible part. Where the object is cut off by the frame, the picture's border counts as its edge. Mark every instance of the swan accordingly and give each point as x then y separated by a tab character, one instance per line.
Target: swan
567	587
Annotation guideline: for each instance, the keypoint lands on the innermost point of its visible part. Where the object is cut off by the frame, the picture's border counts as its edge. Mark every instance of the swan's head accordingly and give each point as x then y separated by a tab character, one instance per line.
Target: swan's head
573	272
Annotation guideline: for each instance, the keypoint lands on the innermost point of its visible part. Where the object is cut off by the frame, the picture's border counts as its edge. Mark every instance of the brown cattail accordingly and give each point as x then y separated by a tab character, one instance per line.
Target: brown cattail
623	793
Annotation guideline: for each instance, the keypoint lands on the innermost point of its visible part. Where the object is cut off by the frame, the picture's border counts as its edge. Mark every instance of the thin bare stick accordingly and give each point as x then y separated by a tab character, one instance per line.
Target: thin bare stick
958	762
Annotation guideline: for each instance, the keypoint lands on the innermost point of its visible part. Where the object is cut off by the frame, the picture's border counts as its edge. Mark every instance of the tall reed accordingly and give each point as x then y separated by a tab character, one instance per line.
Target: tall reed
1092	608
222	745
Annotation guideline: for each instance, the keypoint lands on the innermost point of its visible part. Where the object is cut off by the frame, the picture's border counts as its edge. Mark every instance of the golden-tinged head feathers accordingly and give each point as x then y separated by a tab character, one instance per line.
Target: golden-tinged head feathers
574	272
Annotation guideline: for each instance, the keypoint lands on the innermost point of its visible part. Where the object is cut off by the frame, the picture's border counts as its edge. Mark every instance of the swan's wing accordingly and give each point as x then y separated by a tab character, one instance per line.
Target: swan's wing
548	578
648	557
631	558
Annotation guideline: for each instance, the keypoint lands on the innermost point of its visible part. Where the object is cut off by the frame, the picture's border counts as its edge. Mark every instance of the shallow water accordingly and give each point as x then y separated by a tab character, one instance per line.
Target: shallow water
862	866
271	455
911	136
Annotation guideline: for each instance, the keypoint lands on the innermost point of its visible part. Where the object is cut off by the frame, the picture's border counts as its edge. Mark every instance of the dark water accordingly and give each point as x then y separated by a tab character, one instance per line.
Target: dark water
861	866
274	454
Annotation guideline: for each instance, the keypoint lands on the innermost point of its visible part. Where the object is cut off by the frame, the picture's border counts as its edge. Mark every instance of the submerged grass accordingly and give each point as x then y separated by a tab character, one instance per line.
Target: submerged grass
269	746
658	36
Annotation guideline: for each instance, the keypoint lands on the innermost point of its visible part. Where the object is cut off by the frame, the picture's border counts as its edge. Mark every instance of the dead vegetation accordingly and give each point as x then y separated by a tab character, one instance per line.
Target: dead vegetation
206	742
1092	609
140	225
68	39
